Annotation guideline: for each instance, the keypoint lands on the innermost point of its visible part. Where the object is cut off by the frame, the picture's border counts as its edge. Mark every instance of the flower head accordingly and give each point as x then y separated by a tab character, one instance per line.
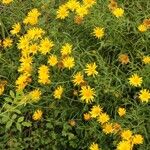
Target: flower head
58	92
66	49
124	145
7	1
146	60
118	12
37	115
142	28
52	60
103	118
87	94
124	59
135	80
137	139
62	12
15	29
126	134
35	95
98	32
7	42
87	116
91	69
94	146
68	62
96	110
121	111
144	95
107	128
78	79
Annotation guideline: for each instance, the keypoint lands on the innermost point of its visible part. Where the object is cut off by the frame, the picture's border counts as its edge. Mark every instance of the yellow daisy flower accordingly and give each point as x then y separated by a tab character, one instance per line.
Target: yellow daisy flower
68	62
142	28
124	145
121	111
103	118
87	94
118	12
91	69
94	146
146	60
126	134
137	139
135	80
7	42
37	115
78	79
58	92
52	60
144	95
98	32
96	110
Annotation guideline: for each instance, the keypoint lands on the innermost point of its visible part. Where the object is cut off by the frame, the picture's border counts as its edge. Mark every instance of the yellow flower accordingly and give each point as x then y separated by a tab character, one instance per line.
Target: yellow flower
32	17
121	111
81	11
2	86
137	139
146	60
87	116
66	49
94	146
7	1
124	59
91	69
35	33
23	43
87	94
124	145
15	28
96	110
7	42
68	62
144	95
78	79
58	92
62	12
98	32
52	60
37	115
43	75
142	28
135	80
33	49
46	46
89	3
126	134
35	95
107	128
103	118
72	5
118	12
72	122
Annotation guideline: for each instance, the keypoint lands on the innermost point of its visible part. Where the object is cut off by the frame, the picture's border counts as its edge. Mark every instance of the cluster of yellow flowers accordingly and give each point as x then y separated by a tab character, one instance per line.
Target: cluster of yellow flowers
117	11
144	26
80	9
136	80
109	127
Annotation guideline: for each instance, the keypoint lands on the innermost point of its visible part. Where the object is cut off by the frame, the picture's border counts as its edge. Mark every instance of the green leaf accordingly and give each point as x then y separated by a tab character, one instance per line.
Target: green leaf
18	126
9	124
7	99
5	119
20	119
12	94
26	124
14	116
17	111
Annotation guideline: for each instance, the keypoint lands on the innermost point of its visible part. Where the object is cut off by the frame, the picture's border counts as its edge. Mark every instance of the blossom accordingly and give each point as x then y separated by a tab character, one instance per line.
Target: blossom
72	5
124	145
98	32
78	78
68	62
118	12
82	11
43	75
146	59
58	92
135	80
91	69
15	29
86	116
45	46
103	118
52	60
37	115
107	128
7	1
144	95
87	94
96	110
66	49
32	17
124	59
126	134
7	42
35	95
62	12
121	111
94	146
142	28
137	139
